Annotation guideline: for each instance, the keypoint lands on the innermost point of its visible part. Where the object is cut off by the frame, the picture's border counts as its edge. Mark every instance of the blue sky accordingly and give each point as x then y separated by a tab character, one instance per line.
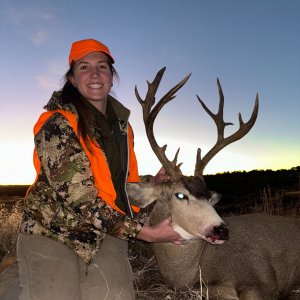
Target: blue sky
251	46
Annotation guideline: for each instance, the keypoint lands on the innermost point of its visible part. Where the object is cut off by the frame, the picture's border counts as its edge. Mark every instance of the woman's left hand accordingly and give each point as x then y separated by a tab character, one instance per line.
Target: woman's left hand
161	176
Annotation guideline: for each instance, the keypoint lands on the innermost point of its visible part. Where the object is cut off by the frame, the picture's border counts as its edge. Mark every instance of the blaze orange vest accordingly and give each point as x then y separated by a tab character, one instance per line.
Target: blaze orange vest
98	163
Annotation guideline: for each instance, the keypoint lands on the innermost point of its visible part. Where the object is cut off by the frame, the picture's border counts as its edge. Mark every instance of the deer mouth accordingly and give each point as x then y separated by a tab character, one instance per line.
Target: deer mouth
218	235
214	241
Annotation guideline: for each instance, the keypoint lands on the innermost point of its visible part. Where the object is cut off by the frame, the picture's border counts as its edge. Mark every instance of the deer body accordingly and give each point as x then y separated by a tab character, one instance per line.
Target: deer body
261	260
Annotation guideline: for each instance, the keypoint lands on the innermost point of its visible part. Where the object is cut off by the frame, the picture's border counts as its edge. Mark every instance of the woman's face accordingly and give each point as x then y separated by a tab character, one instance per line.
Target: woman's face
93	77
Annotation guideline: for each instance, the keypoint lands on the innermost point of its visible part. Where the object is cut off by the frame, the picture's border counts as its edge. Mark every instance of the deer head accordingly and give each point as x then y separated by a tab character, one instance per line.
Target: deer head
185	198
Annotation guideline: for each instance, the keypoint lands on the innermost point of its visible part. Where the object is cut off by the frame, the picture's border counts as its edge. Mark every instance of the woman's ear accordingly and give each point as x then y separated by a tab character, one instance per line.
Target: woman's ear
72	80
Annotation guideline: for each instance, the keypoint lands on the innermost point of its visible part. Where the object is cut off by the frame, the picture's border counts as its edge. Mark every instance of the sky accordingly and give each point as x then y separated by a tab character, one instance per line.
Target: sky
252	46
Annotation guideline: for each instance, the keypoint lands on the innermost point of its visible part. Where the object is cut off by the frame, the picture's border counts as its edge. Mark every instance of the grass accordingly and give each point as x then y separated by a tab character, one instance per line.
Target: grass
148	282
277	203
9	227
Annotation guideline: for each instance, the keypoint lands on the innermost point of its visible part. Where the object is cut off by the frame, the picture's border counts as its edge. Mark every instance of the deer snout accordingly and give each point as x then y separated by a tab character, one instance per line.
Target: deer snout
221	231
218	235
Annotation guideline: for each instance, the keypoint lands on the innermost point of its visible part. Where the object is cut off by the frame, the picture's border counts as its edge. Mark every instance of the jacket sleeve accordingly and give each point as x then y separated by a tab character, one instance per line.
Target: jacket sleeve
74	200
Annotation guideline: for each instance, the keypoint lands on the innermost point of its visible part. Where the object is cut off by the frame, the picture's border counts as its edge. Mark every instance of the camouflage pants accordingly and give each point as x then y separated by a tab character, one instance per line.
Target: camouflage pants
50	270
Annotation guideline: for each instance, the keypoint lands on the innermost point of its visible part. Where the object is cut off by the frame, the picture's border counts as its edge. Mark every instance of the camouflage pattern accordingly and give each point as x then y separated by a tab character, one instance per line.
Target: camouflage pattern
63	203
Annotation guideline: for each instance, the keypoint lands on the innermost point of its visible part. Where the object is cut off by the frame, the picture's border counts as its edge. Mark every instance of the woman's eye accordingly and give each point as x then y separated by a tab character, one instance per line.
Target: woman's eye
83	68
103	67
181	196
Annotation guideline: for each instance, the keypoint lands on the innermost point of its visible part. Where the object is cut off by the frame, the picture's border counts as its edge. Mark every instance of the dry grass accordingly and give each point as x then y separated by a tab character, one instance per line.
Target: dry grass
9	227
272	202
148	282
279	203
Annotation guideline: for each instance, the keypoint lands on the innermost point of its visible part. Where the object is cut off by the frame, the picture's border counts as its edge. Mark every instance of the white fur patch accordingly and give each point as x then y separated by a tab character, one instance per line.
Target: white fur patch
183	233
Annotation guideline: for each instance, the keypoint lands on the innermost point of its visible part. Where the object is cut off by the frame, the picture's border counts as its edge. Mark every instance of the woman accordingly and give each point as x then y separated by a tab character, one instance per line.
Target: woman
77	218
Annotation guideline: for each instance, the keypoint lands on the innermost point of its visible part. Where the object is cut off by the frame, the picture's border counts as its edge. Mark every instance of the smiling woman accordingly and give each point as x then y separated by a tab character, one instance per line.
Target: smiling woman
91	71
86	78
77	216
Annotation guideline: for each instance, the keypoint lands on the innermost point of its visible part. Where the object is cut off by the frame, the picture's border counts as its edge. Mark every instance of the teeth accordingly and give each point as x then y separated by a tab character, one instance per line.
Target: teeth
95	85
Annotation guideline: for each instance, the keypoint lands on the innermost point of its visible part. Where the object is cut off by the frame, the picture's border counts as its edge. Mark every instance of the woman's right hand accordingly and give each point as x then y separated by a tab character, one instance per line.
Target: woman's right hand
160	233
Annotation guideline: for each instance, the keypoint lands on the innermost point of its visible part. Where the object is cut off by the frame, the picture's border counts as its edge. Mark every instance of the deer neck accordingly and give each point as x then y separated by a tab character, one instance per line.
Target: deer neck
160	211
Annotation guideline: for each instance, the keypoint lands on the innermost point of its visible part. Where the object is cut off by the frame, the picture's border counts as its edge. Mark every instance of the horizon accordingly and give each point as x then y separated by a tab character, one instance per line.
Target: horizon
221	173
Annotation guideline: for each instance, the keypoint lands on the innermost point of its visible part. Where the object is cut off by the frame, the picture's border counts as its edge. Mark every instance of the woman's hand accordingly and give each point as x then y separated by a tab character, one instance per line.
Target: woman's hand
161	176
160	233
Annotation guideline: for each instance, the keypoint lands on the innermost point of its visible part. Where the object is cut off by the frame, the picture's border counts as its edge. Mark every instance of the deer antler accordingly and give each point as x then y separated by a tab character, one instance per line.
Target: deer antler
221	141
149	116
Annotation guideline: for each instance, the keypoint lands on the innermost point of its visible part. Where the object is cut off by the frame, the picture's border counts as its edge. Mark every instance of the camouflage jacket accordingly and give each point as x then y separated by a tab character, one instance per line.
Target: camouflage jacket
63	203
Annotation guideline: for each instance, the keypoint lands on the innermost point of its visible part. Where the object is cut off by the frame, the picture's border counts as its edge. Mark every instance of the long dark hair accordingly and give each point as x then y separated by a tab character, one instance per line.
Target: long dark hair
69	94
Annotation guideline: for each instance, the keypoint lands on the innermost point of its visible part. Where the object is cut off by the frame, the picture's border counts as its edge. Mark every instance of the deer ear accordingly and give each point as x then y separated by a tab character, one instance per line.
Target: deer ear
215	198
142	194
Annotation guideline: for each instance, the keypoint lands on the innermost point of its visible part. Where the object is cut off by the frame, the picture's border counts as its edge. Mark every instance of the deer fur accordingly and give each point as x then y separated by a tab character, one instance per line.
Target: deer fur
172	201
260	261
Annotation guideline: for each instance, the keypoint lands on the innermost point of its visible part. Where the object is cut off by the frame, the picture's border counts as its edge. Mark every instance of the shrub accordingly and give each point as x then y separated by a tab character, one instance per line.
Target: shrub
9	228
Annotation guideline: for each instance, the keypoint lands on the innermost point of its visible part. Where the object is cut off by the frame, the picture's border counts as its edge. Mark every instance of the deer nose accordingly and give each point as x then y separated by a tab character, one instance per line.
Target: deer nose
221	232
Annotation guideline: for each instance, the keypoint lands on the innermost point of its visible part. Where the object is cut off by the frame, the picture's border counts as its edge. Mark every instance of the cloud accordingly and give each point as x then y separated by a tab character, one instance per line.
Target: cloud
52	77
46	82
57	68
25	15
40	37
30	22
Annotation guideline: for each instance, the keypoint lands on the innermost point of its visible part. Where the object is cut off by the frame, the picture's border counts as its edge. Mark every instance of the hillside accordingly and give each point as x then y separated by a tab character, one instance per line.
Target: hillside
246	189
240	191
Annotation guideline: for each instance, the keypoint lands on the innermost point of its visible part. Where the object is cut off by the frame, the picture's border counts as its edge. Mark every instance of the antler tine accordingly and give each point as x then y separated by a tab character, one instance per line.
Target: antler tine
222	142
149	117
150	97
169	96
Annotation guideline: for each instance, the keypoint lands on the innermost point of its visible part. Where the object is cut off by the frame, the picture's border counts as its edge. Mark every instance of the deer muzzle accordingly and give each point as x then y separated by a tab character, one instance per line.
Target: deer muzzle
218	235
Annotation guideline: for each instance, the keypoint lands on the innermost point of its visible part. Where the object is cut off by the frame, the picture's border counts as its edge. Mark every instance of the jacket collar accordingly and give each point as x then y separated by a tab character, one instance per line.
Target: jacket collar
121	111
56	102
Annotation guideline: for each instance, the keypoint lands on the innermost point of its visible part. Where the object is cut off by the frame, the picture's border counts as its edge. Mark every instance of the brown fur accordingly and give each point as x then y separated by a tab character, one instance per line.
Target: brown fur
260	261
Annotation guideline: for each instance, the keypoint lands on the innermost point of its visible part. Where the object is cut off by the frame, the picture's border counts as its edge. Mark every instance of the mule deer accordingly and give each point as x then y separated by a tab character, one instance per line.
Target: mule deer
260	261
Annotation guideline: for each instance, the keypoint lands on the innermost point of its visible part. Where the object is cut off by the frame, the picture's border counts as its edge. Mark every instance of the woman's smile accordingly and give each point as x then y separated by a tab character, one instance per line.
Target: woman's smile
93	78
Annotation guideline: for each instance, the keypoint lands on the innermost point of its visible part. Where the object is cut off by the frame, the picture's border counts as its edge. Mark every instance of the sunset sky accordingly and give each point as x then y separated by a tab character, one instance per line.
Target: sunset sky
251	46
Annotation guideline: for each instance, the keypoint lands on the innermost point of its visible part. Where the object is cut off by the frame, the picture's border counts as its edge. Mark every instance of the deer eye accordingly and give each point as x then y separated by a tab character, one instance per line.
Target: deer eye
181	196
